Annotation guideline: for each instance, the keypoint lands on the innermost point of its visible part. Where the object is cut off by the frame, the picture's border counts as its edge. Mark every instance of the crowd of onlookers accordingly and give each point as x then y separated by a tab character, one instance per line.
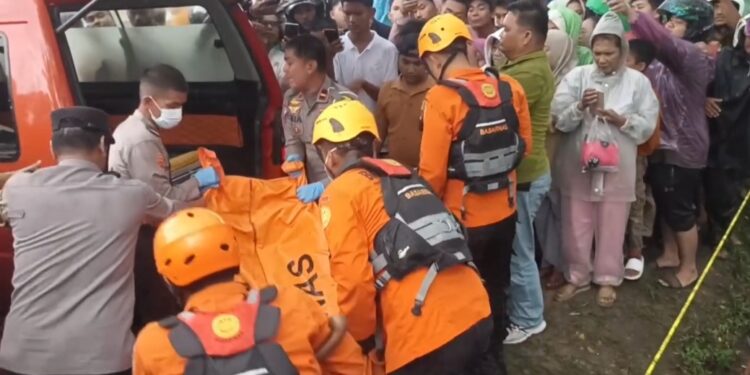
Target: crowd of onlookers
541	146
653	92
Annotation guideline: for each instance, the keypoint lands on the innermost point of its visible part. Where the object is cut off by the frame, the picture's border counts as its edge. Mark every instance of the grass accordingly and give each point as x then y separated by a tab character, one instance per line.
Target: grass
710	346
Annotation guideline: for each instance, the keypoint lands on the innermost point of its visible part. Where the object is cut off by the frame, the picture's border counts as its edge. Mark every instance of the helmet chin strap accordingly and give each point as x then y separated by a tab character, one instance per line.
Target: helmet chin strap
442	70
447	62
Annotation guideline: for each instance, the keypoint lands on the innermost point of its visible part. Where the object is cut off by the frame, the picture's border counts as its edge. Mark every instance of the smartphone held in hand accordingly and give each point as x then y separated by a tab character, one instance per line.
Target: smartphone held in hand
291	30
599	104
331	35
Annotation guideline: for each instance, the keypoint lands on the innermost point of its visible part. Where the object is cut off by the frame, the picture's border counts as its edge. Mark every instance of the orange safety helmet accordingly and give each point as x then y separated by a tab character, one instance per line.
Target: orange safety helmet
193	244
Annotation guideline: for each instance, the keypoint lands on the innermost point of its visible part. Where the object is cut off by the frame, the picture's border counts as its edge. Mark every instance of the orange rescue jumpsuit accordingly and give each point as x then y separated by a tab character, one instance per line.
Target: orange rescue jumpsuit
303	328
443	116
353	213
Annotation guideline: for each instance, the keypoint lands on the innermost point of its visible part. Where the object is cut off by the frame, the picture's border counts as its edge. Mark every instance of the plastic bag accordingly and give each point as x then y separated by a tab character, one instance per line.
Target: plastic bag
600	151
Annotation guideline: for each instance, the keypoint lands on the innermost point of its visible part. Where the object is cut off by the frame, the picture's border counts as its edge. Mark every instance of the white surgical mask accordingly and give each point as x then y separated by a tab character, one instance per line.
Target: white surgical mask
325	164
169	118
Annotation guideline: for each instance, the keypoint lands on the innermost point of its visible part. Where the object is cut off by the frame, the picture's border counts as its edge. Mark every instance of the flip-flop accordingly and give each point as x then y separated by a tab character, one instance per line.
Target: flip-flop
670	280
606	299
636	265
569	291
664	268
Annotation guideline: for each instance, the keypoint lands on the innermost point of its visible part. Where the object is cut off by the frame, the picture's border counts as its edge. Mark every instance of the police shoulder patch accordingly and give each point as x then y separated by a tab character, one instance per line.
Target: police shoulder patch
325	216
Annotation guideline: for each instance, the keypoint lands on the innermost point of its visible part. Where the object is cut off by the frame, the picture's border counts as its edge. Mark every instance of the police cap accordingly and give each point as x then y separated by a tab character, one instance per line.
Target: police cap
84	118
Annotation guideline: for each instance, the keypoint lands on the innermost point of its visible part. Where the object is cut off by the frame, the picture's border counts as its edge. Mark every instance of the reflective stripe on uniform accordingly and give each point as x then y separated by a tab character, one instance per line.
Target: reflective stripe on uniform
435	228
490	123
489	163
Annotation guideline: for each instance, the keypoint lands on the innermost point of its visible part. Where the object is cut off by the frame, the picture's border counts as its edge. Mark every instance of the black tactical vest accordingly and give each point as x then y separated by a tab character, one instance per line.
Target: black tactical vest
488	147
421	231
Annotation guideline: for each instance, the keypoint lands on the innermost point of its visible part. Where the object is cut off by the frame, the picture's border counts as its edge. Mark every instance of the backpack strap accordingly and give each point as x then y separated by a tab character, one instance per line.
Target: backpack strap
186	343
169	322
429	278
268	294
491	71
278	361
184	340
267	323
381	167
506	99
472	117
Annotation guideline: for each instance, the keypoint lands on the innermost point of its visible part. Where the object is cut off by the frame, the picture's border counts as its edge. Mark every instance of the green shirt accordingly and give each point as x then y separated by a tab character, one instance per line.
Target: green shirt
533	73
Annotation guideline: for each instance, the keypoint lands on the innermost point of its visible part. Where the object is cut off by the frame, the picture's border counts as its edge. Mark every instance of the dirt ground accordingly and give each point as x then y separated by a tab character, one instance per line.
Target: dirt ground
583	338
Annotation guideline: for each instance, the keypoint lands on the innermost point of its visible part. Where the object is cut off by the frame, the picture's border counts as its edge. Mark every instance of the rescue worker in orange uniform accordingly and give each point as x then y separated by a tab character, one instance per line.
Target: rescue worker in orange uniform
477	128
397	252
226	328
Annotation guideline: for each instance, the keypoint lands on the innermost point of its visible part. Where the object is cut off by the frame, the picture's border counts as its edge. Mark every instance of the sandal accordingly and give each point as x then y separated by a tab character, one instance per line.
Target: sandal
634	268
670	280
606	296
554	281
665	268
569	291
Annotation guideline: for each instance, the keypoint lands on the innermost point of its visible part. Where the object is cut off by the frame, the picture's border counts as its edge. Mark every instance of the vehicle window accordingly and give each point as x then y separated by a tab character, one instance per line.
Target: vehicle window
9	147
117	45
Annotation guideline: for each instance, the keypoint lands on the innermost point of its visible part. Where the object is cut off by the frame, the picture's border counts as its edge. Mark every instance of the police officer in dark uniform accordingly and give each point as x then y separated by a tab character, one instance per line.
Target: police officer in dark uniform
74	229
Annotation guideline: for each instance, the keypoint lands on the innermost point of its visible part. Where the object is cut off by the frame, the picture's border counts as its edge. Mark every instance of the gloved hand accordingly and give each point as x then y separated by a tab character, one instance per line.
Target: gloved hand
310	192
207	178
293	165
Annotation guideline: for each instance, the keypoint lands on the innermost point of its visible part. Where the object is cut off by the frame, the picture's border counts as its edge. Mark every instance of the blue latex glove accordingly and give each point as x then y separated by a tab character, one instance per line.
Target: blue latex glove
207	178
291	159
310	192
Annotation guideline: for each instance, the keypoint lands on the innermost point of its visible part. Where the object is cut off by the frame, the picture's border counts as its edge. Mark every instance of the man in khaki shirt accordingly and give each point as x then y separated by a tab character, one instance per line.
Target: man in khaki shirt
400	101
138	153
310	92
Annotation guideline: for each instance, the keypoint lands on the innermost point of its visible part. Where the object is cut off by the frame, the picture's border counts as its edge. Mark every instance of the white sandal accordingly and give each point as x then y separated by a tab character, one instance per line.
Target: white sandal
634	264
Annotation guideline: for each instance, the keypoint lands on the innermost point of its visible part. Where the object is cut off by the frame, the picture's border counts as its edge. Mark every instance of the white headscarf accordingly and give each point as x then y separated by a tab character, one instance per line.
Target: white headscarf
561	51
492	55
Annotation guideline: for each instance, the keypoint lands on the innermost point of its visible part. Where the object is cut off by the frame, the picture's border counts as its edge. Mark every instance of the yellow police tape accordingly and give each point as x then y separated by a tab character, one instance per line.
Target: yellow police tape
698	284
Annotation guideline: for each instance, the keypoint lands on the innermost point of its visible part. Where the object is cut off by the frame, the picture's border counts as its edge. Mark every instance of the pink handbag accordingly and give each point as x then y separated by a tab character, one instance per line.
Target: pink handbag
599	151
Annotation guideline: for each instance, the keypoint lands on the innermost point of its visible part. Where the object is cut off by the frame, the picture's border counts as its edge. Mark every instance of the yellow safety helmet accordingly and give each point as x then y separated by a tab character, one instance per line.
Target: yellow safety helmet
343	121
440	32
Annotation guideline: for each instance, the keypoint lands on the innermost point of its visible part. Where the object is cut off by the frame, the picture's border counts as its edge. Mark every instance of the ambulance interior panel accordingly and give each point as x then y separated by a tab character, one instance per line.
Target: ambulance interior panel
109	54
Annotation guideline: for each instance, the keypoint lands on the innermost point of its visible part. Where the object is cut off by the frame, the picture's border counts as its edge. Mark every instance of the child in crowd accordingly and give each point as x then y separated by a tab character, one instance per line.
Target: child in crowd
643	210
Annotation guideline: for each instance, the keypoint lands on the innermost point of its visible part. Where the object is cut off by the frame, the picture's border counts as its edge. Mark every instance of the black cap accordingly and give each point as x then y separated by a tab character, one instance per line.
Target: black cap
85	118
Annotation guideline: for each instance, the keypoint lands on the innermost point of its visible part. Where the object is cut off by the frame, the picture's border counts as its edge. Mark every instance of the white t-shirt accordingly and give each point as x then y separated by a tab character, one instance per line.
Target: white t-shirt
377	64
276	56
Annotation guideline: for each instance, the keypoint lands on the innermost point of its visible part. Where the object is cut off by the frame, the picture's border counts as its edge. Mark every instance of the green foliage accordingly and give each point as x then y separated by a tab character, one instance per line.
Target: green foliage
710	346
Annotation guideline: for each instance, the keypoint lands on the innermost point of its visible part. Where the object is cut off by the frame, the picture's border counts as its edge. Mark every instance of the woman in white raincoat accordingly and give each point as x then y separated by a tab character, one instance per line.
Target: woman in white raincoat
595	204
